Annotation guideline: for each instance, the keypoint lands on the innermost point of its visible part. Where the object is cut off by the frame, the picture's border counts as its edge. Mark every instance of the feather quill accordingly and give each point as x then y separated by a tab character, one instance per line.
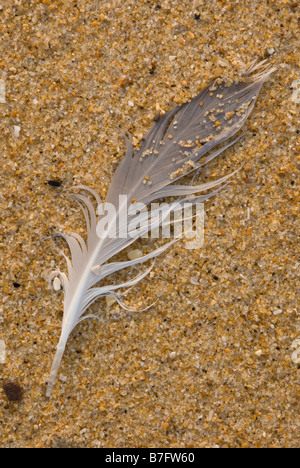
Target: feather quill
184	140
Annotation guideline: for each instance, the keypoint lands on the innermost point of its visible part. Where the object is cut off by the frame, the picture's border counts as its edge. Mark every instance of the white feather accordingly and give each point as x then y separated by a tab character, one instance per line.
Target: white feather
163	156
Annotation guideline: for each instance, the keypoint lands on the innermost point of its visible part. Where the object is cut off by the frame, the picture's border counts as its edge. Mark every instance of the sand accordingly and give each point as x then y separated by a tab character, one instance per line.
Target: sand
214	363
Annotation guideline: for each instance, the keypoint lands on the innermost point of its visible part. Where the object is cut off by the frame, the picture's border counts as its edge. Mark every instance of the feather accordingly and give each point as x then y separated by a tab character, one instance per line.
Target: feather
183	141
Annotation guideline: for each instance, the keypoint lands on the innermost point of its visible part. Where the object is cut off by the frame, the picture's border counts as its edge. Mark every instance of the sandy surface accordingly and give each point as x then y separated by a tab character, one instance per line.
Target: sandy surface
211	363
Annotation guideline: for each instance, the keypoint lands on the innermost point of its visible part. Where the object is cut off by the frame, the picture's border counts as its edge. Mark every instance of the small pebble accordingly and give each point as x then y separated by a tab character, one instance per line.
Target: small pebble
56	284
62	378
296	92
17	131
296	356
296	353
110	300
2	352
12	390
133	254
197	3
54	183
2	92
